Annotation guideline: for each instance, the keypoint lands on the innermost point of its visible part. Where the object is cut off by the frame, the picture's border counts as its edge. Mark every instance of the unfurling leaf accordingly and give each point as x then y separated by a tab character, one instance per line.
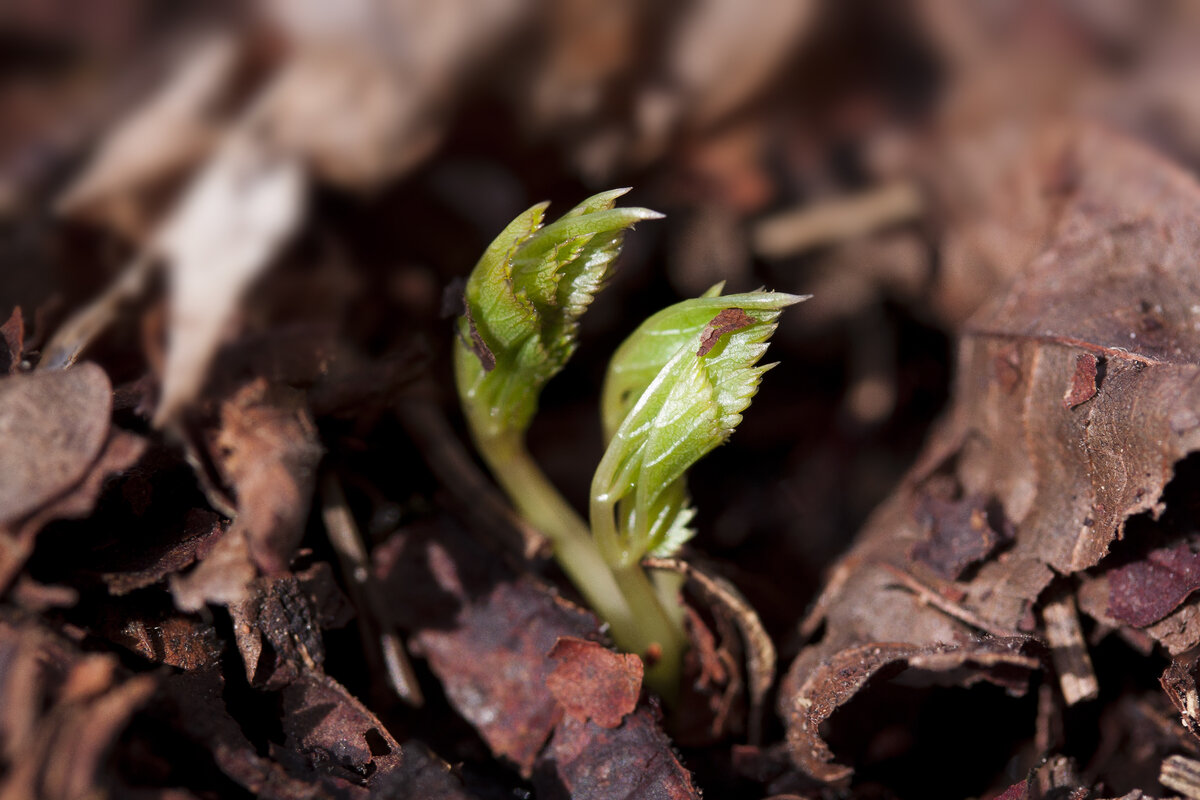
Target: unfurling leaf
523	303
674	391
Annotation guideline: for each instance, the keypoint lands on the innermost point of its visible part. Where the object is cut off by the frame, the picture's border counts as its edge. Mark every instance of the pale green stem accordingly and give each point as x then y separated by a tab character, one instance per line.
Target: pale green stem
657	632
620	593
543	507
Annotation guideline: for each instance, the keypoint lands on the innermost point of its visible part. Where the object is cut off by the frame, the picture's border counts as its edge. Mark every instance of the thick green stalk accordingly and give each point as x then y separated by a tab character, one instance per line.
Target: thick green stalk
658	633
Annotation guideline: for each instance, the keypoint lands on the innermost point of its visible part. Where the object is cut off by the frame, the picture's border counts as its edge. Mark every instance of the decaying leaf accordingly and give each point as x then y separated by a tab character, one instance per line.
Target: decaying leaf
62	711
53	425
485	635
60	450
1105	313
592	682
633	760
837	680
267	449
494	640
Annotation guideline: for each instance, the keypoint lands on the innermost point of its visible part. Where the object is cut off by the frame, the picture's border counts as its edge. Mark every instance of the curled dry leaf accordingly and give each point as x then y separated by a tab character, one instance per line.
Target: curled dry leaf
332	745
267	449
837	680
1117	283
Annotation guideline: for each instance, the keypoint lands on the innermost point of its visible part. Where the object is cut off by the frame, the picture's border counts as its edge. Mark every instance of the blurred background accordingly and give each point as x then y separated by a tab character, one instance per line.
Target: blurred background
178	179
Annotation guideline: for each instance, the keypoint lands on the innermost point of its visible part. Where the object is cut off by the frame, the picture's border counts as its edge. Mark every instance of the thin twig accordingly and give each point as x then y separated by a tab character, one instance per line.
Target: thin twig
761	658
935	599
795	231
1068	649
475	494
384	647
85	325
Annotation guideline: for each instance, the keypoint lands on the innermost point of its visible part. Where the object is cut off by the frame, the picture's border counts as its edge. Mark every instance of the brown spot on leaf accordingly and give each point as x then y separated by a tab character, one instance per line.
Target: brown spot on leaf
961	533
487	359
1145	591
1083	383
727	321
592	682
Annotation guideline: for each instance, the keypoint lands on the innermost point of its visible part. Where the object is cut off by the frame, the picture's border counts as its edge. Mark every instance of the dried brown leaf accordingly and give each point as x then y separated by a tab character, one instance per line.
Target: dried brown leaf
633	760
54	425
267	449
1116	282
837	680
592	682
484	634
1144	591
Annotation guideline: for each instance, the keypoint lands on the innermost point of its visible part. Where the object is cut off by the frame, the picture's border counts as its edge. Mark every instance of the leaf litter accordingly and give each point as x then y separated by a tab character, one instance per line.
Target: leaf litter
273	220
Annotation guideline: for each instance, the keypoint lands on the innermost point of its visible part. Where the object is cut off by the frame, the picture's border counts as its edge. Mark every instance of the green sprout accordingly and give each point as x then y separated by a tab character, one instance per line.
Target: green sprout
675	389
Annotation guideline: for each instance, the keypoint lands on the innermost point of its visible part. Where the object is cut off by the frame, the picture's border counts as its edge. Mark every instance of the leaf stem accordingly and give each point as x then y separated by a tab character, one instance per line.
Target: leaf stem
658	635
622	596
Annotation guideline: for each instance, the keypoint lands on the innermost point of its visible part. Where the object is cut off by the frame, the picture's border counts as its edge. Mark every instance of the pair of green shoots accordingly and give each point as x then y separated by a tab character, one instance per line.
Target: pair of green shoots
675	389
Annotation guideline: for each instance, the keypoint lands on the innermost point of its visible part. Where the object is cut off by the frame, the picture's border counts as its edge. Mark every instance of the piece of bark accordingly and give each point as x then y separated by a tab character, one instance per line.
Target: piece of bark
1068	649
150	564
277	633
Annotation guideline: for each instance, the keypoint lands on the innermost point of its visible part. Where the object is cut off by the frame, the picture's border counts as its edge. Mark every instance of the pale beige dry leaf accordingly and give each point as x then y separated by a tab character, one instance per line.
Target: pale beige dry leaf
160	140
231	224
722	55
366	92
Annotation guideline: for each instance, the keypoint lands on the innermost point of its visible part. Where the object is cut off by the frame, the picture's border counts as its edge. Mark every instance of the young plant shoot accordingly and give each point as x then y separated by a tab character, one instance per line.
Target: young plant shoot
674	391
